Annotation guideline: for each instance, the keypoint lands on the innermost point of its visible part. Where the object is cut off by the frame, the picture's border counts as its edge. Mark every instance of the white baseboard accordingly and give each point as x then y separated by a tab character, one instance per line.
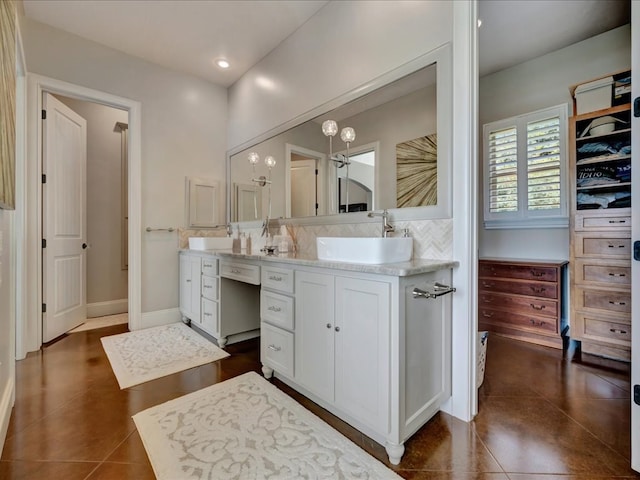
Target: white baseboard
160	317
6	405
112	307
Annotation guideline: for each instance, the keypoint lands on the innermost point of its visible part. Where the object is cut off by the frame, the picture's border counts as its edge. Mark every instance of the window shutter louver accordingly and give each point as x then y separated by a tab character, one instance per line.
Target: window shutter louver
543	164
503	170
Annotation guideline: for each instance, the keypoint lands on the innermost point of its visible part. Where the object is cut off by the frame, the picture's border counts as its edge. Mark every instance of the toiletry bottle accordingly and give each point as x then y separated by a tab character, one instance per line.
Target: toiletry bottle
248	245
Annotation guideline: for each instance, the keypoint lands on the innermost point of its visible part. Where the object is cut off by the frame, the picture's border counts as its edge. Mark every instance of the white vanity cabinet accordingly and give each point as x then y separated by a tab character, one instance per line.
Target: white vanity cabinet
368	351
190	272
199	291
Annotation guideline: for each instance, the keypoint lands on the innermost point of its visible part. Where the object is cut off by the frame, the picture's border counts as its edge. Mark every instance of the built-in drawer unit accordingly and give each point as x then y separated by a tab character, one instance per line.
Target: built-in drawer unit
276	347
604	300
603	273
279	279
605	221
603	245
277	309
209	321
210	266
522	299
242	272
605	329
209	287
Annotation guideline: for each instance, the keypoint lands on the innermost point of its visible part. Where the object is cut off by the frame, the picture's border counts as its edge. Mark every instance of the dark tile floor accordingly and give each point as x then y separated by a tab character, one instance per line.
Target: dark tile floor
542	417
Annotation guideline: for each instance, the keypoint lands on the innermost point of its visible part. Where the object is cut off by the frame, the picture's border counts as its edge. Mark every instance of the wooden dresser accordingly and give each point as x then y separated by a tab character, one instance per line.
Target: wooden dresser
522	299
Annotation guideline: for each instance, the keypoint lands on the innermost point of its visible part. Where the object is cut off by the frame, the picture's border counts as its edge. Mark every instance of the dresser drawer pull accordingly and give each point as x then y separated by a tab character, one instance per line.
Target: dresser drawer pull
536	273
538	323
274	309
487	315
617	303
537	307
538	289
487	285
614	246
236	271
274	348
275	278
615	330
617	274
617	221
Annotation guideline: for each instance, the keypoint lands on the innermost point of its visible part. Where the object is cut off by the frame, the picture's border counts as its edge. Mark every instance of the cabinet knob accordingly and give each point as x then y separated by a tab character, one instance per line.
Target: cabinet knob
188	280
337	329
328	325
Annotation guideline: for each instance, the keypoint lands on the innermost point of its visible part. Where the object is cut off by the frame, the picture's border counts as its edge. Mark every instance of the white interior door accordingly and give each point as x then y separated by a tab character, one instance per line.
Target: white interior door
63	219
635	234
303	188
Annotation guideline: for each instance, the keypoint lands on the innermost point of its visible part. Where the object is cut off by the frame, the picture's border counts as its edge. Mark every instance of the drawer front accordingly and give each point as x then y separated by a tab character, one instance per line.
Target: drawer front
533	289
240	271
516	304
610	301
277	309
210	267
603	246
610	273
524	272
209	320
604	330
515	320
280	279
210	288
276	349
604	222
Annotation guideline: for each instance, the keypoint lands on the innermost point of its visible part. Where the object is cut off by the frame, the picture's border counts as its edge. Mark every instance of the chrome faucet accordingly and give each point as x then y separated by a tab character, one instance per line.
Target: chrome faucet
386	226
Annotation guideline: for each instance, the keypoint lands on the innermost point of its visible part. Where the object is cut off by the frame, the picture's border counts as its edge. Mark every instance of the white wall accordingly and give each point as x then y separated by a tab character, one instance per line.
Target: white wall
533	85
184	133
7	321
106	280
344	46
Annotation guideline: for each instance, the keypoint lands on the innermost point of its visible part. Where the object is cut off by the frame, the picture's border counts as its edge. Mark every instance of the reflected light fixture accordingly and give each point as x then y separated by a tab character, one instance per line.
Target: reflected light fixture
270	162
348	135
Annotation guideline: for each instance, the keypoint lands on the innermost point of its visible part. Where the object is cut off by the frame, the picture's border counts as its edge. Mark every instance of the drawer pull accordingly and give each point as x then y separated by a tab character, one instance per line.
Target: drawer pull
537	307
236	271
487	315
206	314
538	289
188	280
275	278
617	303
207	265
538	324
617	221
274	309
536	273
274	348
488	285
614	246
208	286
615	330
617	274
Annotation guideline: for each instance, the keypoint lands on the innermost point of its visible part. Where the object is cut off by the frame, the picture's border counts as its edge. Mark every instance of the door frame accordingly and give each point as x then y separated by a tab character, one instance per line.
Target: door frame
635	236
321	180
29	327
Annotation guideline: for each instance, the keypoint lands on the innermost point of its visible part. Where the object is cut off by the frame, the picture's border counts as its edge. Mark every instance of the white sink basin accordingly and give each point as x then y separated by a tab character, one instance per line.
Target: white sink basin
210	243
369	250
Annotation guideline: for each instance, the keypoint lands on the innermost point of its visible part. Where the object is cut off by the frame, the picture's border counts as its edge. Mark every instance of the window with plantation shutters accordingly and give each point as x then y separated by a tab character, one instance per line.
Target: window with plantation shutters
524	170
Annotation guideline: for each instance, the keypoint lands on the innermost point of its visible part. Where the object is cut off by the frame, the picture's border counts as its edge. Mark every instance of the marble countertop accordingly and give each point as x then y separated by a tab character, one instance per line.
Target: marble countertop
403	269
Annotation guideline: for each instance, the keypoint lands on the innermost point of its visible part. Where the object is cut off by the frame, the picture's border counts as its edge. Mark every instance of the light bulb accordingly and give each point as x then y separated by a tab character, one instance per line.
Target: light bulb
329	128
348	134
270	161
254	158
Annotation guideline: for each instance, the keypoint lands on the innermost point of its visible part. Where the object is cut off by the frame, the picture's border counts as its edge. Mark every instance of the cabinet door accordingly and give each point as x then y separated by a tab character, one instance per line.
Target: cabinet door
362	350
190	286
314	355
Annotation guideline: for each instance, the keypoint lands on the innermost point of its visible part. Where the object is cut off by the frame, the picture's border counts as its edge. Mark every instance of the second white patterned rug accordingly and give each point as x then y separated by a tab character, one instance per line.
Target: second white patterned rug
143	355
245	428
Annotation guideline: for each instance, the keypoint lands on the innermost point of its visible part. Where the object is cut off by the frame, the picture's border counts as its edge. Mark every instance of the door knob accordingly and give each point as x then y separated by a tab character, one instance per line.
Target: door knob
84	246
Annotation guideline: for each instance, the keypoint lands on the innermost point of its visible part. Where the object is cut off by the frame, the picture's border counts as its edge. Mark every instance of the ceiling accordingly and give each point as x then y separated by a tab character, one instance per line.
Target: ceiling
189	35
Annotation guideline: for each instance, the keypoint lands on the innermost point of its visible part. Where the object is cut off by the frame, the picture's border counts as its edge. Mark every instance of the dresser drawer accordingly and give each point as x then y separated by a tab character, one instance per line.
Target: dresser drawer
533	289
523	305
586	221
280	279
276	349
242	272
608	273
523	272
210	267
602	329
611	301
515	320
210	287
603	245
277	309
209	320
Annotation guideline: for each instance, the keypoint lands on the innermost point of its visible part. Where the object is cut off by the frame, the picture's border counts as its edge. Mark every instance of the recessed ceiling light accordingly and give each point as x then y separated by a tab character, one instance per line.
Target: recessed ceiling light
222	63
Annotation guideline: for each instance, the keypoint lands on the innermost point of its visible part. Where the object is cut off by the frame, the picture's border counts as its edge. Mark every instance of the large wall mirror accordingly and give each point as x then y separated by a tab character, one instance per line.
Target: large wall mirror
399	158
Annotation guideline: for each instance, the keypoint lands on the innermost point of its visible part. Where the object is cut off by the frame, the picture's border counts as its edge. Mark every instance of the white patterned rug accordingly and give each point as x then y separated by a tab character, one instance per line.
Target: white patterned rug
245	428
143	355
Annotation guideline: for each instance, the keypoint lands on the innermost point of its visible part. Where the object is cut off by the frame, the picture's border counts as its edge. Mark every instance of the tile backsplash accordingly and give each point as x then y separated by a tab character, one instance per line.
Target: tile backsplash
433	239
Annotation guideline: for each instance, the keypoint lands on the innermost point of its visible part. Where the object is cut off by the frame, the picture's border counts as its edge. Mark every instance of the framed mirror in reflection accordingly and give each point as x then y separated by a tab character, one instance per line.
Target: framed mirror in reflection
393	161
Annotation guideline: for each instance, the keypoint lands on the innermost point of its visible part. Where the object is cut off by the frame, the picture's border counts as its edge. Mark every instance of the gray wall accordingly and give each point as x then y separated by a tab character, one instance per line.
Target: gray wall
184	130
106	280
533	85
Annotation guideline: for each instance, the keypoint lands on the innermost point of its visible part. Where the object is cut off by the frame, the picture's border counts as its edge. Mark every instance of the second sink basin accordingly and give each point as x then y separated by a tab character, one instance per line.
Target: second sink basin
210	243
368	250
